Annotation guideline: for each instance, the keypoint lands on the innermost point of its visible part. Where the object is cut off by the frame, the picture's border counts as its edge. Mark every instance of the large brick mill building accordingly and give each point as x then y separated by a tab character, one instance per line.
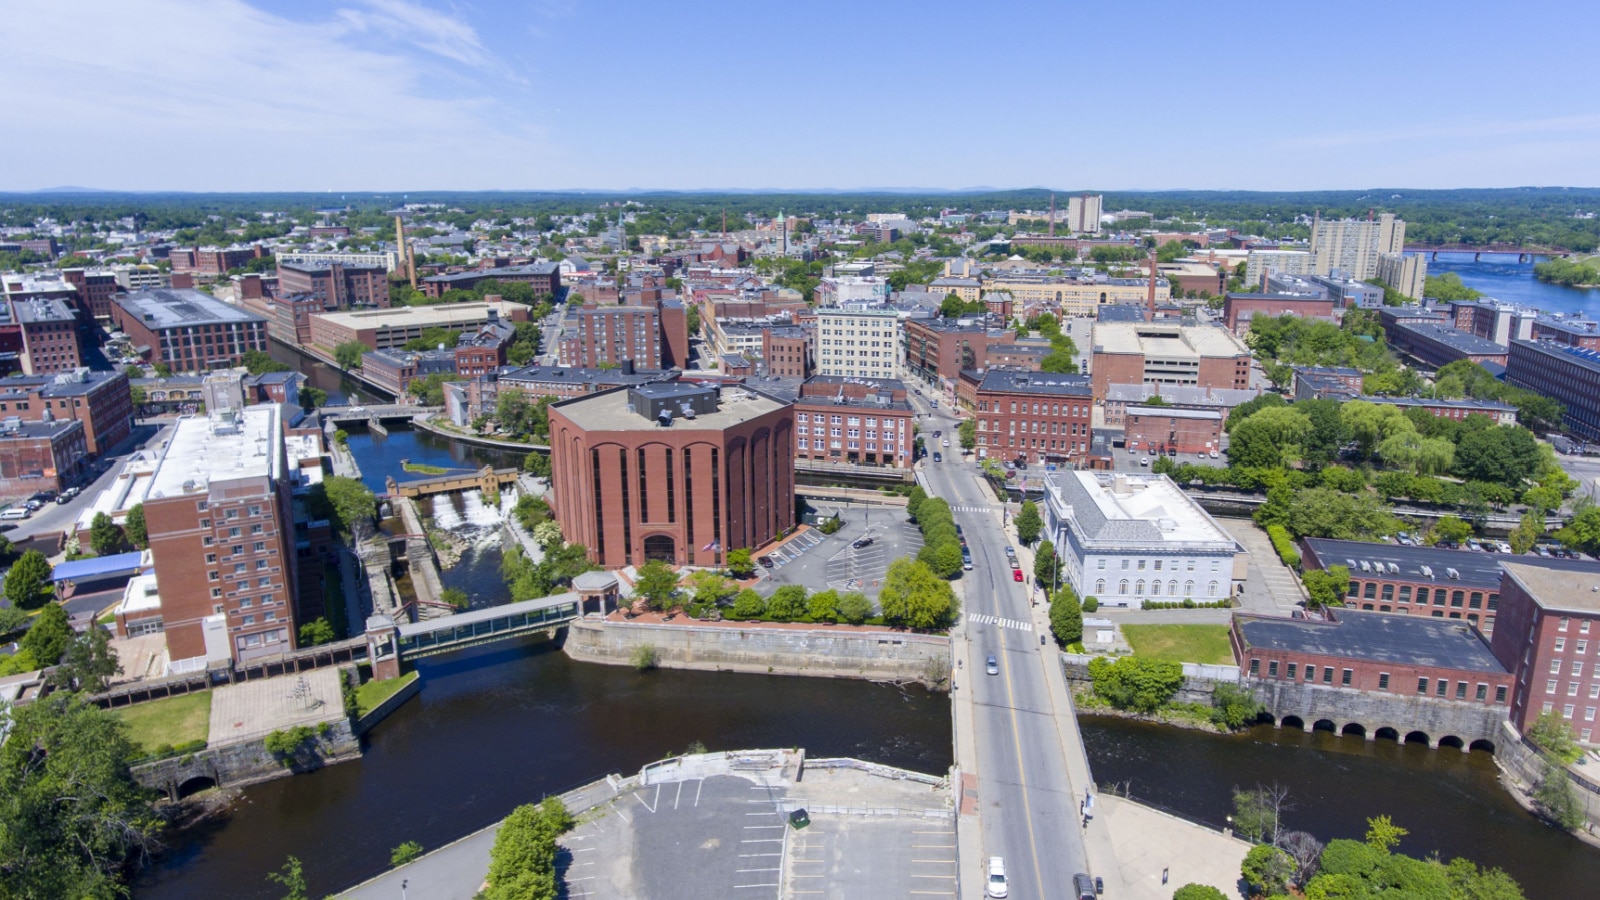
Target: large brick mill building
673	471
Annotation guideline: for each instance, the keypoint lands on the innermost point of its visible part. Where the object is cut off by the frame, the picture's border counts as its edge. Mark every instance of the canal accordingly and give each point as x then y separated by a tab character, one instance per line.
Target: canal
505	724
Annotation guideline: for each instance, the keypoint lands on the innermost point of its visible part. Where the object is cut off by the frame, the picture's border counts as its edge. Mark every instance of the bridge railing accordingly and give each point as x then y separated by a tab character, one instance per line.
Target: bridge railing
448	634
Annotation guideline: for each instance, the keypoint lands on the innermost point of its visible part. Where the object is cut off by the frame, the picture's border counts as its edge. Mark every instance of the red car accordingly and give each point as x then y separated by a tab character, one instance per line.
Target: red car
1016	574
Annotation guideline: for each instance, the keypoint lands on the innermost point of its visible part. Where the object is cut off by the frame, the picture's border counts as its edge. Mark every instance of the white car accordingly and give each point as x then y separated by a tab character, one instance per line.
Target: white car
996	882
947	442
1145	461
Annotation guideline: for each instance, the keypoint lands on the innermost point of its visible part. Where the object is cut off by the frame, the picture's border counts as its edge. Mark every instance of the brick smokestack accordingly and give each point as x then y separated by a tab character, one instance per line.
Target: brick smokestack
1150	293
1052	215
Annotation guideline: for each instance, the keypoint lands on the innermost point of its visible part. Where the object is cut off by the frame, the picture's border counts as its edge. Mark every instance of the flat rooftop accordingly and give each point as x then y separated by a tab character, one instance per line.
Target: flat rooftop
1457	340
43	310
1374	637
160	308
1142	508
1167	341
609	411
223	446
1174	412
449	314
1014	382
1477	570
1556	588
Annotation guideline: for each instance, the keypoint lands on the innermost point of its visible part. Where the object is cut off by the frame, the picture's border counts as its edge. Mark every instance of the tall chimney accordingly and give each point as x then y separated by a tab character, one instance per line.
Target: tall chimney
1150	294
406	257
1052	215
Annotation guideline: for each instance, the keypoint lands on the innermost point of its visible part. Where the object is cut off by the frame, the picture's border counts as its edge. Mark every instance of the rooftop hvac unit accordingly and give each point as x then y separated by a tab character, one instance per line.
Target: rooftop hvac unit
664	418
1452	573
1366	566
1394	569
1428	571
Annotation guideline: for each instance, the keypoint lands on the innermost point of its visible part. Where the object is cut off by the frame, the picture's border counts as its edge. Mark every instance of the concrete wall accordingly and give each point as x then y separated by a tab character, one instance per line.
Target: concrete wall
1198	686
395	701
823	651
1522	767
247	763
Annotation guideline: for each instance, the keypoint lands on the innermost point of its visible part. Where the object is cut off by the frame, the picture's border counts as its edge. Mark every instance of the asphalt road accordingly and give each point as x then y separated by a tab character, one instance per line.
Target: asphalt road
54	517
1029	808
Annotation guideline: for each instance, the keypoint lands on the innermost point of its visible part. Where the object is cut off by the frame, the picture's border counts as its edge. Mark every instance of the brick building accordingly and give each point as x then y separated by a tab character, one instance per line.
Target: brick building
1436	345
1033	417
1119	397
337	285
1365	651
1326	382
1549	636
1168	429
860	421
1167	353
222	537
101	401
50	336
543	276
40	456
1238	309
672	471
941	348
188	330
213	261
95	290
483	351
393	370
288	317
607	335
787	351
387	329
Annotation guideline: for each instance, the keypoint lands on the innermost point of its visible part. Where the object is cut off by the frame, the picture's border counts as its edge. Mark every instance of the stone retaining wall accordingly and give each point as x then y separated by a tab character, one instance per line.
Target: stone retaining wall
823	651
247	763
1522	768
382	711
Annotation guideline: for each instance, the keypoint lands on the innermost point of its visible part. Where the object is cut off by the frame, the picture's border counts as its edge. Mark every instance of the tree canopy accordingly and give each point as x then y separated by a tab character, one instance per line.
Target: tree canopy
915	597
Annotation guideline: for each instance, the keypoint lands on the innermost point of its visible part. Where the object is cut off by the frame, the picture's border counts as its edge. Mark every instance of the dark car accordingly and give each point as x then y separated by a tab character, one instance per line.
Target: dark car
862	542
937	456
765	562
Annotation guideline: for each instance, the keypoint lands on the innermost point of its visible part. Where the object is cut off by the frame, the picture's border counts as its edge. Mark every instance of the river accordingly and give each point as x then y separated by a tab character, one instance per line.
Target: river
500	725
1503	278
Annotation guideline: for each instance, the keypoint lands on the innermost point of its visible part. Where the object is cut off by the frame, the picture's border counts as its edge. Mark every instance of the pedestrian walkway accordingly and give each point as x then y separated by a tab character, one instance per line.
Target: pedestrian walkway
985	619
1270	586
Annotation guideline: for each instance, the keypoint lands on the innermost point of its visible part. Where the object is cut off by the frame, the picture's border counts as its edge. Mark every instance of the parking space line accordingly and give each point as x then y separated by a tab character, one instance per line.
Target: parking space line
772	884
749	827
762	841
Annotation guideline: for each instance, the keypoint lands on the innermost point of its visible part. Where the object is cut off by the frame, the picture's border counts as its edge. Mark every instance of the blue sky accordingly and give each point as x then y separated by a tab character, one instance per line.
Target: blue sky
554	94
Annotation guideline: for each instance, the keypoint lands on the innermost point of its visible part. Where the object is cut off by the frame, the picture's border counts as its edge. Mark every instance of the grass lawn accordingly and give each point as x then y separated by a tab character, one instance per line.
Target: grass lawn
424	469
373	693
174	720
1181	643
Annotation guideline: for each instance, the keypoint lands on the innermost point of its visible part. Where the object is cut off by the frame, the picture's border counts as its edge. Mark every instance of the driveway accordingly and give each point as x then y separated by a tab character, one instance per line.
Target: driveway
1270	586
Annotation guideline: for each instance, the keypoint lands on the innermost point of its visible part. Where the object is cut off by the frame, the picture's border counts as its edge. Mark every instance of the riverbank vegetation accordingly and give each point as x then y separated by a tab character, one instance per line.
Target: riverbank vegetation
1568	273
372	693
1285	862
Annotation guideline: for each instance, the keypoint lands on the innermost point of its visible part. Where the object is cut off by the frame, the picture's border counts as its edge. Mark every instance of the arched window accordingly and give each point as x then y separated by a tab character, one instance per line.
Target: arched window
1188	589
1172	587
1213	588
1139	587
1100	586
1122	588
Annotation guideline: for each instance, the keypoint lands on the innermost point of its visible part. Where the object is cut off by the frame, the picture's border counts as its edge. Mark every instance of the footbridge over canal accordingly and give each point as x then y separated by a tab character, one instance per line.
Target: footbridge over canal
487	479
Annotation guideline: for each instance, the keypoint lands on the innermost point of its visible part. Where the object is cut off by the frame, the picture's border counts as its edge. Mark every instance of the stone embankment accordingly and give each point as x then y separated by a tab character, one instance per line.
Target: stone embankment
249	762
820	651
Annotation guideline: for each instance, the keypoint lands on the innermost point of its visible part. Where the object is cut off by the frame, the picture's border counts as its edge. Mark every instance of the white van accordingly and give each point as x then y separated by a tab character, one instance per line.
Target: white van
15	512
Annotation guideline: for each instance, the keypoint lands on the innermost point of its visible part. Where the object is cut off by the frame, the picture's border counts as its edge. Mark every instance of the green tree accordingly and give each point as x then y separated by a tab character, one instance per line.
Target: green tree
348	354
88	663
522	863
709	588
748	604
787	603
1258	812
823	606
914	501
404	853
47	640
1552	733
1198	892
259	362
1135	682
1383	834
1046	567
942	557
134	527
855	608
316	631
72	816
657	584
1448	287
1451	528
740	562
1066	617
1320	512
1505	454
1233	706
1268	868
1527	533
312	397
345	503
1326	587
1269	439
162	370
1058	362
548	533
968	432
1250	407
1028	522
915	597
104	535
293	879
537	464
1555	800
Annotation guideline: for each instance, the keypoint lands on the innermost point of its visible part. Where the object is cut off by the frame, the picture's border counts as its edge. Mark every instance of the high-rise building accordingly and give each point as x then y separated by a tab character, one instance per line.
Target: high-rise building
1353	245
1282	262
1406	274
1083	213
862	342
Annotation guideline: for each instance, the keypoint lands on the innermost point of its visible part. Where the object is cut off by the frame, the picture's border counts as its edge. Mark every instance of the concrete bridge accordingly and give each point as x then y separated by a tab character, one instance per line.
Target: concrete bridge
1479	251
389	644
487	479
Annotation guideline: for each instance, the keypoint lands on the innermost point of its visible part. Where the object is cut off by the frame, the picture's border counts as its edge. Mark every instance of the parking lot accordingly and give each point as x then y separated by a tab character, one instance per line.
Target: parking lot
831	561
715	831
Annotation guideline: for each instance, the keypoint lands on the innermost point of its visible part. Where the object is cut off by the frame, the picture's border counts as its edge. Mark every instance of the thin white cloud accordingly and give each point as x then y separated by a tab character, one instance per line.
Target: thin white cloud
221	95
429	29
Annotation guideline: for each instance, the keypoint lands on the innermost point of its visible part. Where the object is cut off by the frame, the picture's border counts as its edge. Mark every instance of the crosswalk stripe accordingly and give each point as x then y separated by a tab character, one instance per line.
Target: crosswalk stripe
986	619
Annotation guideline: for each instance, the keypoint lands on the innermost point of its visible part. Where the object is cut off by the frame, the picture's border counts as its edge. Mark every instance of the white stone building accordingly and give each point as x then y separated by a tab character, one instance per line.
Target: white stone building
1129	538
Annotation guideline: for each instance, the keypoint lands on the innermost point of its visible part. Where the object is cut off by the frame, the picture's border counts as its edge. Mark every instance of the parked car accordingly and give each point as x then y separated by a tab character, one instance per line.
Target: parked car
966	561
16	512
1082	887
1011	551
1016	575
1543	551
858	543
1213	454
1015	564
1145	461
765	562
